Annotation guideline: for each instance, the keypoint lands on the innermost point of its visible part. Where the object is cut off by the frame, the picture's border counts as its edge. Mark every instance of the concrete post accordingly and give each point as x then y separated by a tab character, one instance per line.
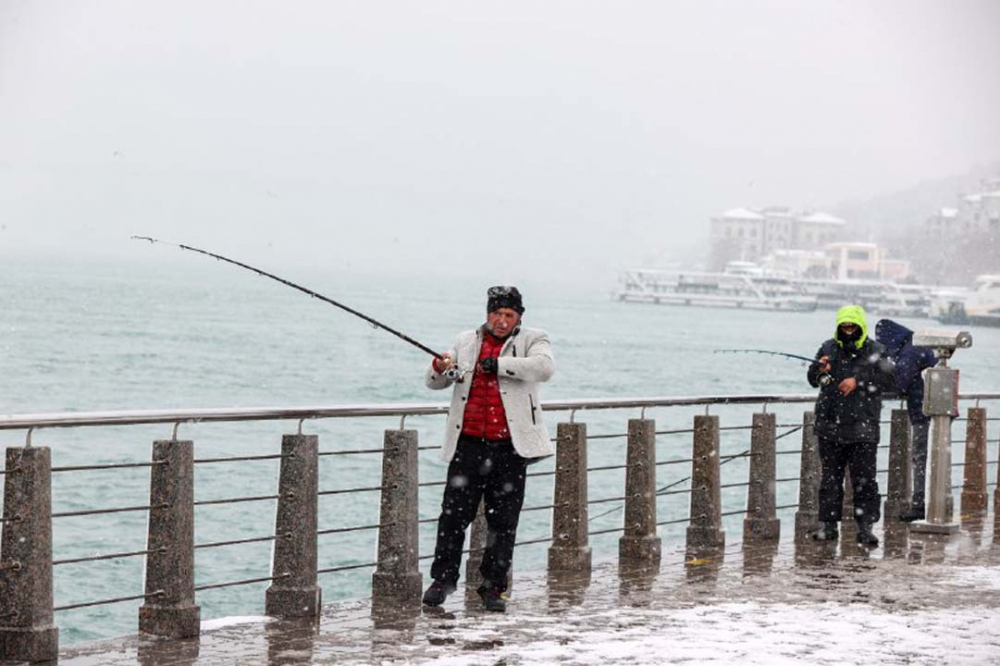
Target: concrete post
477	548
704	533
899	487
27	630
294	592
397	576
570	550
996	506
761	522
974	497
640	545
807	516
848	524
170	609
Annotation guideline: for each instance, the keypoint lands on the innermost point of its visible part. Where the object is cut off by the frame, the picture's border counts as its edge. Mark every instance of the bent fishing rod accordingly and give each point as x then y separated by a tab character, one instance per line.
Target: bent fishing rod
371	320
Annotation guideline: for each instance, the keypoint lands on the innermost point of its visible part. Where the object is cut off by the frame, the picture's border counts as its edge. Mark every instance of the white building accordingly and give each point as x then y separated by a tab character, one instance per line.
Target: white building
752	234
865	261
976	213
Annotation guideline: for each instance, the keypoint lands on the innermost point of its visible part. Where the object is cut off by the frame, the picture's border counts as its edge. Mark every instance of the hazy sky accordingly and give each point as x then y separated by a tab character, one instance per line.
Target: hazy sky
508	139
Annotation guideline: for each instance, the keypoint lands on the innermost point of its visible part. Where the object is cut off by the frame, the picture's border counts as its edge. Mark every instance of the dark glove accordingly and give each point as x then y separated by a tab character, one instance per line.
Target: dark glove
488	365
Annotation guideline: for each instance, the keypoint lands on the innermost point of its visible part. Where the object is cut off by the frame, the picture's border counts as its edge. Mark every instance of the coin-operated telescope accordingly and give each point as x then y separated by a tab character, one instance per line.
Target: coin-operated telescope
941	404
944	343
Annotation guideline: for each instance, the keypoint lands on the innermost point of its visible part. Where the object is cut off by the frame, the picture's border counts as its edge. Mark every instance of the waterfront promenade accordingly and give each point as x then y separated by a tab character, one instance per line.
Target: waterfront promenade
723	577
801	604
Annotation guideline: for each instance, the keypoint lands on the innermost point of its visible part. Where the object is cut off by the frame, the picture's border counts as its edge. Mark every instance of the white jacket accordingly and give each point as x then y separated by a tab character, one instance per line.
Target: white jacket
525	360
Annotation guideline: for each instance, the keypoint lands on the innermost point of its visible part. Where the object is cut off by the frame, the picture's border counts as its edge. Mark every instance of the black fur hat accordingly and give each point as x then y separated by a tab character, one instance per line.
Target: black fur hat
503	297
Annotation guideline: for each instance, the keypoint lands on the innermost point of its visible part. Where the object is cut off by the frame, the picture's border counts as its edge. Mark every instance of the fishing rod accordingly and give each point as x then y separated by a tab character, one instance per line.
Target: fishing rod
371	320
823	379
766	351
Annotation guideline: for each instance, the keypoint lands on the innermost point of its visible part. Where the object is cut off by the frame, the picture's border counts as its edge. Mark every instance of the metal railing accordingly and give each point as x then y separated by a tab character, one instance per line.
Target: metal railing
33	423
239	414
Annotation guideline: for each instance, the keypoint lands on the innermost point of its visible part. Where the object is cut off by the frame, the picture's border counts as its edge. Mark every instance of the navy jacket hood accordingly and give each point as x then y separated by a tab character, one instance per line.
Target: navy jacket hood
910	362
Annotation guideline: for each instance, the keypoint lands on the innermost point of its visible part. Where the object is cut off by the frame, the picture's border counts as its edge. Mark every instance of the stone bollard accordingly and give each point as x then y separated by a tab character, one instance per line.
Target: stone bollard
899	486
848	522
810	473
996	505
477	548
27	629
294	592
975	500
761	522
570	550
640	545
705	536
397	577
169	609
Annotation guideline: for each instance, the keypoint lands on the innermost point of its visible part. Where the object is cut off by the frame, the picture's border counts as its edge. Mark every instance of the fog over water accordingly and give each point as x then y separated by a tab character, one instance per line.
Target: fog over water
525	140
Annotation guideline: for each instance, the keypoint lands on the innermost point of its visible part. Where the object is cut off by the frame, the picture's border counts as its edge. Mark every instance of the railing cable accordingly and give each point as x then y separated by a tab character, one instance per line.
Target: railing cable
248	581
116	600
109	556
237	500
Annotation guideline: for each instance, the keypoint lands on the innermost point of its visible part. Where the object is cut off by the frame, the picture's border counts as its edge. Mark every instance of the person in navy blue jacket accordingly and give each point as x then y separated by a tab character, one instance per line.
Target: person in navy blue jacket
910	363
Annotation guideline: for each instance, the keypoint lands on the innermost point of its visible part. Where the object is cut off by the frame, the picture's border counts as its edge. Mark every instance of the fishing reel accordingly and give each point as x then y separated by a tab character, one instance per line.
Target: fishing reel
825	379
453	373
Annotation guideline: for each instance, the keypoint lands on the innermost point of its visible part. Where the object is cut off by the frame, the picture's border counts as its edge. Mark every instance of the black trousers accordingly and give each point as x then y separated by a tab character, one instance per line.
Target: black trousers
835	456
493	472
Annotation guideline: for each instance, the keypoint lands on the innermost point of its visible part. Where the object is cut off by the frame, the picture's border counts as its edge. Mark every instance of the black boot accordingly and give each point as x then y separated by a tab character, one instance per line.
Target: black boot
865	535
493	600
827	531
437	593
915	512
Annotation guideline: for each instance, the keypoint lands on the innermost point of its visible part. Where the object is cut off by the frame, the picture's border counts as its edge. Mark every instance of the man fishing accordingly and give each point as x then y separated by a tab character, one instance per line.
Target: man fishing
910	363
851	372
494	427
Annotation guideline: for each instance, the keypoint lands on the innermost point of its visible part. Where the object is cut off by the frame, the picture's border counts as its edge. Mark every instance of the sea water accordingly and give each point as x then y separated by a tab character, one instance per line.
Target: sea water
86	336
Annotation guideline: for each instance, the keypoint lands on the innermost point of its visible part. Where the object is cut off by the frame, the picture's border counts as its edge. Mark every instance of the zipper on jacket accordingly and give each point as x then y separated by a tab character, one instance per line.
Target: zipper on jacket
532	401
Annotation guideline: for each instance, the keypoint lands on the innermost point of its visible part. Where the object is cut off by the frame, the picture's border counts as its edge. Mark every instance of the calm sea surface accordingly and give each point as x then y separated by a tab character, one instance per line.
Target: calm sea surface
197	334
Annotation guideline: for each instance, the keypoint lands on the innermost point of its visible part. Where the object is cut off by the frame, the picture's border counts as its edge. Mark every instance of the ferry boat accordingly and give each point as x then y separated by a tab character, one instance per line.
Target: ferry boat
980	307
724	290
885	299
747	286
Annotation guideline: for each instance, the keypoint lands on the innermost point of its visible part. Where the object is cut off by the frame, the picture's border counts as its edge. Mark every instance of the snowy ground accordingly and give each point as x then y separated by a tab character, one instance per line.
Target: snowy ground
746	633
802	605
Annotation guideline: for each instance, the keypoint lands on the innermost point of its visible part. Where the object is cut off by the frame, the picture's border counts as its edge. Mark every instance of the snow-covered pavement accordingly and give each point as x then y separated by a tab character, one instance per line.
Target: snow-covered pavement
806	605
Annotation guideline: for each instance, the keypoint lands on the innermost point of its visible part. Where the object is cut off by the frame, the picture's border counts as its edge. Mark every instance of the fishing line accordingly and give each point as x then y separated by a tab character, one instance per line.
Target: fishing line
371	320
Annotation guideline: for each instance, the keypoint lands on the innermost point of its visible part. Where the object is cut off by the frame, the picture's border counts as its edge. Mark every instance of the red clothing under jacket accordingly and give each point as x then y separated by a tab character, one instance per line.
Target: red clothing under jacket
484	413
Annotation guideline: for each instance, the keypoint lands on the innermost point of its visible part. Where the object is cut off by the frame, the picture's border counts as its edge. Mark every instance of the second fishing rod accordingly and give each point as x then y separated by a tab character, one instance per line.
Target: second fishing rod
824	378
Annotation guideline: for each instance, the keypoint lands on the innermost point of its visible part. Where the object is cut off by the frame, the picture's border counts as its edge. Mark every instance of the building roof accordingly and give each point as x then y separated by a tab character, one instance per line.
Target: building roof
822	218
852	244
979	196
741	214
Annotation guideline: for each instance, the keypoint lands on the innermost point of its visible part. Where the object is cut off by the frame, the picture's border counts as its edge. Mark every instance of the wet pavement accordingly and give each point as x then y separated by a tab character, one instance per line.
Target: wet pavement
927	602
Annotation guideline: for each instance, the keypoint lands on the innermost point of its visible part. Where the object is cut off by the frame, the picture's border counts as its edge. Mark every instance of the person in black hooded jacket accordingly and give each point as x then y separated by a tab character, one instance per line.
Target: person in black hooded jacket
910	362
851	372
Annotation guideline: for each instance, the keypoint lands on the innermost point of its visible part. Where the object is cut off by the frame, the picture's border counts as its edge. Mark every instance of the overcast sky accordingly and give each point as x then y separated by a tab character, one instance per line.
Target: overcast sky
541	139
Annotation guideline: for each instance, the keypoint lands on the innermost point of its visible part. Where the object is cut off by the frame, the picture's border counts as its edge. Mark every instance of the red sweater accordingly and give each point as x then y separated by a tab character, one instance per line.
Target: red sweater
484	413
